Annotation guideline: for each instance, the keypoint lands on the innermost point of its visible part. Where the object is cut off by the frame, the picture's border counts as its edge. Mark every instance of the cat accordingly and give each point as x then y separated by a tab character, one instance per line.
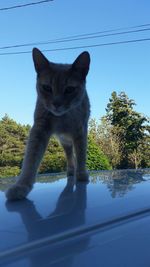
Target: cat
62	109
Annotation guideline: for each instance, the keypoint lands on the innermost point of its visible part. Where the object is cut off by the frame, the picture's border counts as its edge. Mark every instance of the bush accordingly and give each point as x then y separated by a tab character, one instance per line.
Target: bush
96	160
53	163
8	171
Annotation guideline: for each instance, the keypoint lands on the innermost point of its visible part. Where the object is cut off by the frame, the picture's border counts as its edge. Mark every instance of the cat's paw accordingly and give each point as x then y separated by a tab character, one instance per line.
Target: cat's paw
17	192
82	176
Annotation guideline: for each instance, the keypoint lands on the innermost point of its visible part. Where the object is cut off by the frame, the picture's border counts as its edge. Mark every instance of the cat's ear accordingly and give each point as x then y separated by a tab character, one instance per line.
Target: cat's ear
81	64
40	61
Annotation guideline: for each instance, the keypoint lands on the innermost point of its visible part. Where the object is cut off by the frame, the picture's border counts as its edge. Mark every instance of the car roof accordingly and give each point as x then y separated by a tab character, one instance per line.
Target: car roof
105	222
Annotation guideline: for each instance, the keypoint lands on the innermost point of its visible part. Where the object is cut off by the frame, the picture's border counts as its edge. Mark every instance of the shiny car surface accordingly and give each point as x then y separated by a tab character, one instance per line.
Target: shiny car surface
103	223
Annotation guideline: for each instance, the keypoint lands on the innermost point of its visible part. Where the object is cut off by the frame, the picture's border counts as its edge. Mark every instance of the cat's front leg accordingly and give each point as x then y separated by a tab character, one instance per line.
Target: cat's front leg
80	146
37	143
68	148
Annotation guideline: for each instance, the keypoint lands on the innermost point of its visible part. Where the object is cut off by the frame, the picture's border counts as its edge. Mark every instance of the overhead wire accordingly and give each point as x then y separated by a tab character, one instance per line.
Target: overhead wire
84	36
73	39
24	5
104	31
79	47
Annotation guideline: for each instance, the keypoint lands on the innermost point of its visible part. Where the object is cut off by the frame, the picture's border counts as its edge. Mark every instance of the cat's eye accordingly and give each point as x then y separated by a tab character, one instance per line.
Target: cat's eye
70	90
47	88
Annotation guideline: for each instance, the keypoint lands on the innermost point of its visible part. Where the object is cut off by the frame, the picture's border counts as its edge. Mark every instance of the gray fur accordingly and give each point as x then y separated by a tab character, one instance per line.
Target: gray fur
62	109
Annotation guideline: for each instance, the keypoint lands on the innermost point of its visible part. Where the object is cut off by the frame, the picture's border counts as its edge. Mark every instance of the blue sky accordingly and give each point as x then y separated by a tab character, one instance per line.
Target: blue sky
123	67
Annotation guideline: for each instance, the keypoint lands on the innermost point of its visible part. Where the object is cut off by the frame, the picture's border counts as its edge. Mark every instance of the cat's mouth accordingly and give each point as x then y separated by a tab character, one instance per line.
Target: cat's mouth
58	112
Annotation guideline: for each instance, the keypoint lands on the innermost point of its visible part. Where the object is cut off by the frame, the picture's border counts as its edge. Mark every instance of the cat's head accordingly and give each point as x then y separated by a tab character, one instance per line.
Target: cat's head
60	87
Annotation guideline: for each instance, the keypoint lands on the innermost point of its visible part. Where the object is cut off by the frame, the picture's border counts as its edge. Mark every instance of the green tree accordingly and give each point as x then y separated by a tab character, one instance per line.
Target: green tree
12	144
8	171
128	127
54	158
96	160
122	139
108	142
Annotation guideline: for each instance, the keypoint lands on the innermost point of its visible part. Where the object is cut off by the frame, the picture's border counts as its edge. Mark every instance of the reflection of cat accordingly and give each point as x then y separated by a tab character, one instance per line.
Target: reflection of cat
70	210
62	109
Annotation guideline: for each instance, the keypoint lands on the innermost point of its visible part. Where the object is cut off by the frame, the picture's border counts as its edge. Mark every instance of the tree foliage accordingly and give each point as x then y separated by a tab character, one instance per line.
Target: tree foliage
54	158
96	160
13	138
109	143
120	140
129	129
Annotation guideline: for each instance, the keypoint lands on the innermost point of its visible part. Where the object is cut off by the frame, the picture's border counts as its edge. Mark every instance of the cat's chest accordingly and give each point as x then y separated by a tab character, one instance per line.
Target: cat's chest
65	124
64	138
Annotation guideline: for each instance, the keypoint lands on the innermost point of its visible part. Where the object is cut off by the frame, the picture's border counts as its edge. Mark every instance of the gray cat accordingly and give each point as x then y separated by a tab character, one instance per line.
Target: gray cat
62	109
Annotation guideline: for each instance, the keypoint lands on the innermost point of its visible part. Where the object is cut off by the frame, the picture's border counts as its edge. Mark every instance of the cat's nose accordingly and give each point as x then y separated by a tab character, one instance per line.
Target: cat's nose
57	104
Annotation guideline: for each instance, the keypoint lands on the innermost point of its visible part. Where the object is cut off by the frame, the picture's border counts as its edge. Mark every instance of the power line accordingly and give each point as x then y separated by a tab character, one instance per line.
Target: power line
80	47
105	31
73	39
25	5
